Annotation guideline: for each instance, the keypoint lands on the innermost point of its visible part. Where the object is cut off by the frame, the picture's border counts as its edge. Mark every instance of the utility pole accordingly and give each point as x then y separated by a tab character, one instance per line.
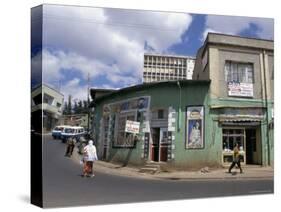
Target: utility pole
88	101
59	85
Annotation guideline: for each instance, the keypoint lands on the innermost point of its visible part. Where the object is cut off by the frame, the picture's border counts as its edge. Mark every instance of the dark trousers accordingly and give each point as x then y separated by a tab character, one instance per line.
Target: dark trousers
233	164
69	150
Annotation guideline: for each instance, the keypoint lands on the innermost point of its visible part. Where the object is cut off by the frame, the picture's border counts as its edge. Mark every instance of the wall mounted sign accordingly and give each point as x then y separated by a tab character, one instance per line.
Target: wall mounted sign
140	103
258	112
194	127
240	89
132	127
146	145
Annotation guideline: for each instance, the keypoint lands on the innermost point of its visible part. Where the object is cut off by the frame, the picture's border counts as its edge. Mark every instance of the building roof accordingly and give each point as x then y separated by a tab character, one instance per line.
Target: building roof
238	36
45	85
150	85
234	40
170	55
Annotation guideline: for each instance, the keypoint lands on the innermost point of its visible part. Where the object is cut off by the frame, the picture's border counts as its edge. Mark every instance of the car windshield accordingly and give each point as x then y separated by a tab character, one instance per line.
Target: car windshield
69	130
59	128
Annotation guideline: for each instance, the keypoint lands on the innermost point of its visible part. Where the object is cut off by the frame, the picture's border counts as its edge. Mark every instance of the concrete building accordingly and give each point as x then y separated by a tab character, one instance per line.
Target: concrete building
75	120
195	123
241	100
160	109
167	67
46	104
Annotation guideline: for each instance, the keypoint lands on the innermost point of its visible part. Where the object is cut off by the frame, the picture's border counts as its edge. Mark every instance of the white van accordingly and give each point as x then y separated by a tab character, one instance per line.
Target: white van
73	132
56	132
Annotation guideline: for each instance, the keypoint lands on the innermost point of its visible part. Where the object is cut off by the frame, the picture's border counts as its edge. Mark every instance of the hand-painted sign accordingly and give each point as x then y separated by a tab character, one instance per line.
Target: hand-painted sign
132	126
240	89
195	127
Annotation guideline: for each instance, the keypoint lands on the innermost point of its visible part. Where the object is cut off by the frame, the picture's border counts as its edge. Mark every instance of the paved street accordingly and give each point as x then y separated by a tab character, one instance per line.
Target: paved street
63	185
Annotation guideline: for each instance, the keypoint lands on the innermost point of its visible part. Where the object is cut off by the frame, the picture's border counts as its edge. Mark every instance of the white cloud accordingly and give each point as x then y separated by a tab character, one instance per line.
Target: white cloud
112	35
36	63
74	89
105	42
54	62
205	33
236	24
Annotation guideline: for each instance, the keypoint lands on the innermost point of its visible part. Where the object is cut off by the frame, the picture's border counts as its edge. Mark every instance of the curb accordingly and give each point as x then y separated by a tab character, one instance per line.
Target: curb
134	173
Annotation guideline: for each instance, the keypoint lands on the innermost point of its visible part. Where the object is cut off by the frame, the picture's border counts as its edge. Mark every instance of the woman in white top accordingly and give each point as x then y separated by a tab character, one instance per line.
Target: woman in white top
89	156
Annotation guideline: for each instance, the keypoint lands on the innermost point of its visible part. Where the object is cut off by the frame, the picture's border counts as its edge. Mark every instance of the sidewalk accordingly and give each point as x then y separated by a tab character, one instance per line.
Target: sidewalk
250	173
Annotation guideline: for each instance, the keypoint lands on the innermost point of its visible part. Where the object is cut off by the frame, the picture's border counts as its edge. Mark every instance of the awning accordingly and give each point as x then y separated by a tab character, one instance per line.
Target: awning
240	121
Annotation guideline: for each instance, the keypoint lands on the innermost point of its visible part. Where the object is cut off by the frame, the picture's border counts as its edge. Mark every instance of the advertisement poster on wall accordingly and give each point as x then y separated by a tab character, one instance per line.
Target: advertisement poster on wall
194	127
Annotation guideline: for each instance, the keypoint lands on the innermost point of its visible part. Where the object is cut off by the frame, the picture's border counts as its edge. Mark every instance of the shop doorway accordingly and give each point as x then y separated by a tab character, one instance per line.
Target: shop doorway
159	147
155	144
249	140
253	155
163	144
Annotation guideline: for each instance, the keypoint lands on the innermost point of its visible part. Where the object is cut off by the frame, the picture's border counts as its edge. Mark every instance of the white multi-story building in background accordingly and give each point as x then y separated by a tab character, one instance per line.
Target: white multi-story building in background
167	67
46	105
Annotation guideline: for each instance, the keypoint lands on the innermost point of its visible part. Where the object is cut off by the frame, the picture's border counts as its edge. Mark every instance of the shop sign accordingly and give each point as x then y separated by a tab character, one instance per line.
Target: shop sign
132	127
146	126
253	112
195	127
139	103
240	89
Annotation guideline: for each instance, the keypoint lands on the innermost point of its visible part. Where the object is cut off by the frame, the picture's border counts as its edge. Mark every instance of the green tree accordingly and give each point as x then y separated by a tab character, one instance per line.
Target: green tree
65	108
85	106
69	105
75	108
80	107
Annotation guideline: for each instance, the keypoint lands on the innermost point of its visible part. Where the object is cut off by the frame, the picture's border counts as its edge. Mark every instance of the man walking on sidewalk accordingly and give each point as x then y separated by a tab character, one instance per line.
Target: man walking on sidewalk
236	159
70	144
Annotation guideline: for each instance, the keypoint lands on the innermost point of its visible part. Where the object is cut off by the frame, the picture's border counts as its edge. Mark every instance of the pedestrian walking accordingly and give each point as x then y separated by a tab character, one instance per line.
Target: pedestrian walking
236	159
70	146
89	156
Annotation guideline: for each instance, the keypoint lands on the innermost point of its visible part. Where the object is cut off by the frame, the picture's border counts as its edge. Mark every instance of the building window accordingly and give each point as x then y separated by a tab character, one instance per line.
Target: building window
238	72
48	99
38	99
124	139
160	114
231	137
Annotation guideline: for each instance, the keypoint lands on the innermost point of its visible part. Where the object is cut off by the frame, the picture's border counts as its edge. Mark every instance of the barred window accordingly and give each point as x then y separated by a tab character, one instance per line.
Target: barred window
238	72
124	139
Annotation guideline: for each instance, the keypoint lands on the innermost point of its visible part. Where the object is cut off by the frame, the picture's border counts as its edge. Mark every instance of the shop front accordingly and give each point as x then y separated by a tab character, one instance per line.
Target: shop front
242	126
166	134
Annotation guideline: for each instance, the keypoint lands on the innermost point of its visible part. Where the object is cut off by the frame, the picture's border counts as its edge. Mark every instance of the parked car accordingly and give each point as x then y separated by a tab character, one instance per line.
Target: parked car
74	132
56	132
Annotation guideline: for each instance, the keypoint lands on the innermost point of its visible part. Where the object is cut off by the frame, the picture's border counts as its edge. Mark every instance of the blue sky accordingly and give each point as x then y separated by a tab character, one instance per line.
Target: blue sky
108	44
